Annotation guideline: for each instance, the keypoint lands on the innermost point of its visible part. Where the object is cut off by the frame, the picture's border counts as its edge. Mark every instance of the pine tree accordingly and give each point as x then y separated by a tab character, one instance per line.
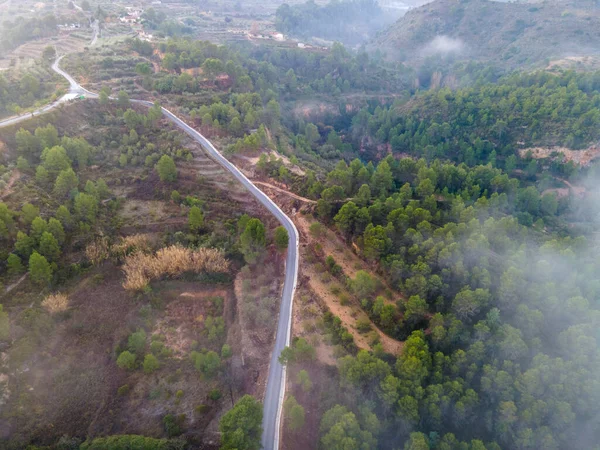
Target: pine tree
167	171
40	270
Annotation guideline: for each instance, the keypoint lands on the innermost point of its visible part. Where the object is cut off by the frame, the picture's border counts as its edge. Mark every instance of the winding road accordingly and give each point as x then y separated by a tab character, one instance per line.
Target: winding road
275	390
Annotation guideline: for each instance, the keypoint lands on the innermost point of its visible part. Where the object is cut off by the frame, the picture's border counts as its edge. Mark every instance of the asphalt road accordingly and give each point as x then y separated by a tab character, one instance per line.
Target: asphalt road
275	390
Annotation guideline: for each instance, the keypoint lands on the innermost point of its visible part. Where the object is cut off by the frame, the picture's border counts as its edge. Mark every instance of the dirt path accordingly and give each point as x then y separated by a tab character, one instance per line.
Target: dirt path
15	284
283	191
8	189
349	314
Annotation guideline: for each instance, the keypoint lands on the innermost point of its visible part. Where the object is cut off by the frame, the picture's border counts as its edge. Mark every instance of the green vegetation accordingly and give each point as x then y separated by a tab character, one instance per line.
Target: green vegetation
484	124
241	427
132	442
281	238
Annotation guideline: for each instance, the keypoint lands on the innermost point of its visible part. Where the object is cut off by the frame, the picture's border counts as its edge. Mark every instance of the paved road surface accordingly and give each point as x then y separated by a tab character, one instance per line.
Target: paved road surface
275	391
273	403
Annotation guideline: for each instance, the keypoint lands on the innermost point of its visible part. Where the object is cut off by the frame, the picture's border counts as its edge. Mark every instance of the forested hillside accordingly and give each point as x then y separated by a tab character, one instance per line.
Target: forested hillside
498	317
506	34
489	122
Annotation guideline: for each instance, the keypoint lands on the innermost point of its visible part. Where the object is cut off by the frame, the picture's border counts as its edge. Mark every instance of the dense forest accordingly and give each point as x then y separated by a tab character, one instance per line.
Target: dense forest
498	317
488	123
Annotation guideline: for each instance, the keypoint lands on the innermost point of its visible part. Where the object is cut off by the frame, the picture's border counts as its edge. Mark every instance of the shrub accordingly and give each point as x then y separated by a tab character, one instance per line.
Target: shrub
123	390
215	394
137	342
126	360
195	219
201	409
173	424
56	303
151	363
208	363
363	325
226	351
127	441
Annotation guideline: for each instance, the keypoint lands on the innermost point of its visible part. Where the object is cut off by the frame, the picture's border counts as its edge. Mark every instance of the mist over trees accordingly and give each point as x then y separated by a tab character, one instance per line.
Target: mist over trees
350	21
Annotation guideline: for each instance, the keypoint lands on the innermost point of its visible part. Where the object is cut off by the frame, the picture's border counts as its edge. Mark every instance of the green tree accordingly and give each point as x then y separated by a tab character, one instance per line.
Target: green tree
312	134
123	100
195	219
363	197
24	244
28	144
47	136
64	216
281	238
66	183
303	379
28	213
14	265
40	270
49	247
49	53
136	343
55	159
363	284
253	240
86	207
126	360
226	351
417	441
241	427
208	363
42	177
341	431
382	180
38	227
294	414
167	171
23	164
235	127
151	364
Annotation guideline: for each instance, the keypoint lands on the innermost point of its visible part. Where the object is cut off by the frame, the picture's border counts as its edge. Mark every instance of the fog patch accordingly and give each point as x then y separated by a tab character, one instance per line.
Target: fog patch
444	45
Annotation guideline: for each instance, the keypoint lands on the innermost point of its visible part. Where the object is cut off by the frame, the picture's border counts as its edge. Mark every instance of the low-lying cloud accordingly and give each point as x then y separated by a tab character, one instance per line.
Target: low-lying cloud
444	45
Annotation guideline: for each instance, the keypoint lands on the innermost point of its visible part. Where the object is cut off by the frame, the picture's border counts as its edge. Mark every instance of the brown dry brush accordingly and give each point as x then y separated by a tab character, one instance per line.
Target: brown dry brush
172	262
56	303
100	250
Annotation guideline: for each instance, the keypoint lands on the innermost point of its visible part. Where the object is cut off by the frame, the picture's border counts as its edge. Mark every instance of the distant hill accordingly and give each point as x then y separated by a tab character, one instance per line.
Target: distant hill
510	35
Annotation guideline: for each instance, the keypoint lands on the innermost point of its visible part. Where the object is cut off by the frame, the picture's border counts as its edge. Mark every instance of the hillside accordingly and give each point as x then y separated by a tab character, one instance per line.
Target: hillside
511	35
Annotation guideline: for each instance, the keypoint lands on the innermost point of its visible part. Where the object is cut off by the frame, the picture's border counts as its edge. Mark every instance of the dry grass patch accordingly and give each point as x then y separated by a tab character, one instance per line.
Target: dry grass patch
132	244
99	250
56	303
174	261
